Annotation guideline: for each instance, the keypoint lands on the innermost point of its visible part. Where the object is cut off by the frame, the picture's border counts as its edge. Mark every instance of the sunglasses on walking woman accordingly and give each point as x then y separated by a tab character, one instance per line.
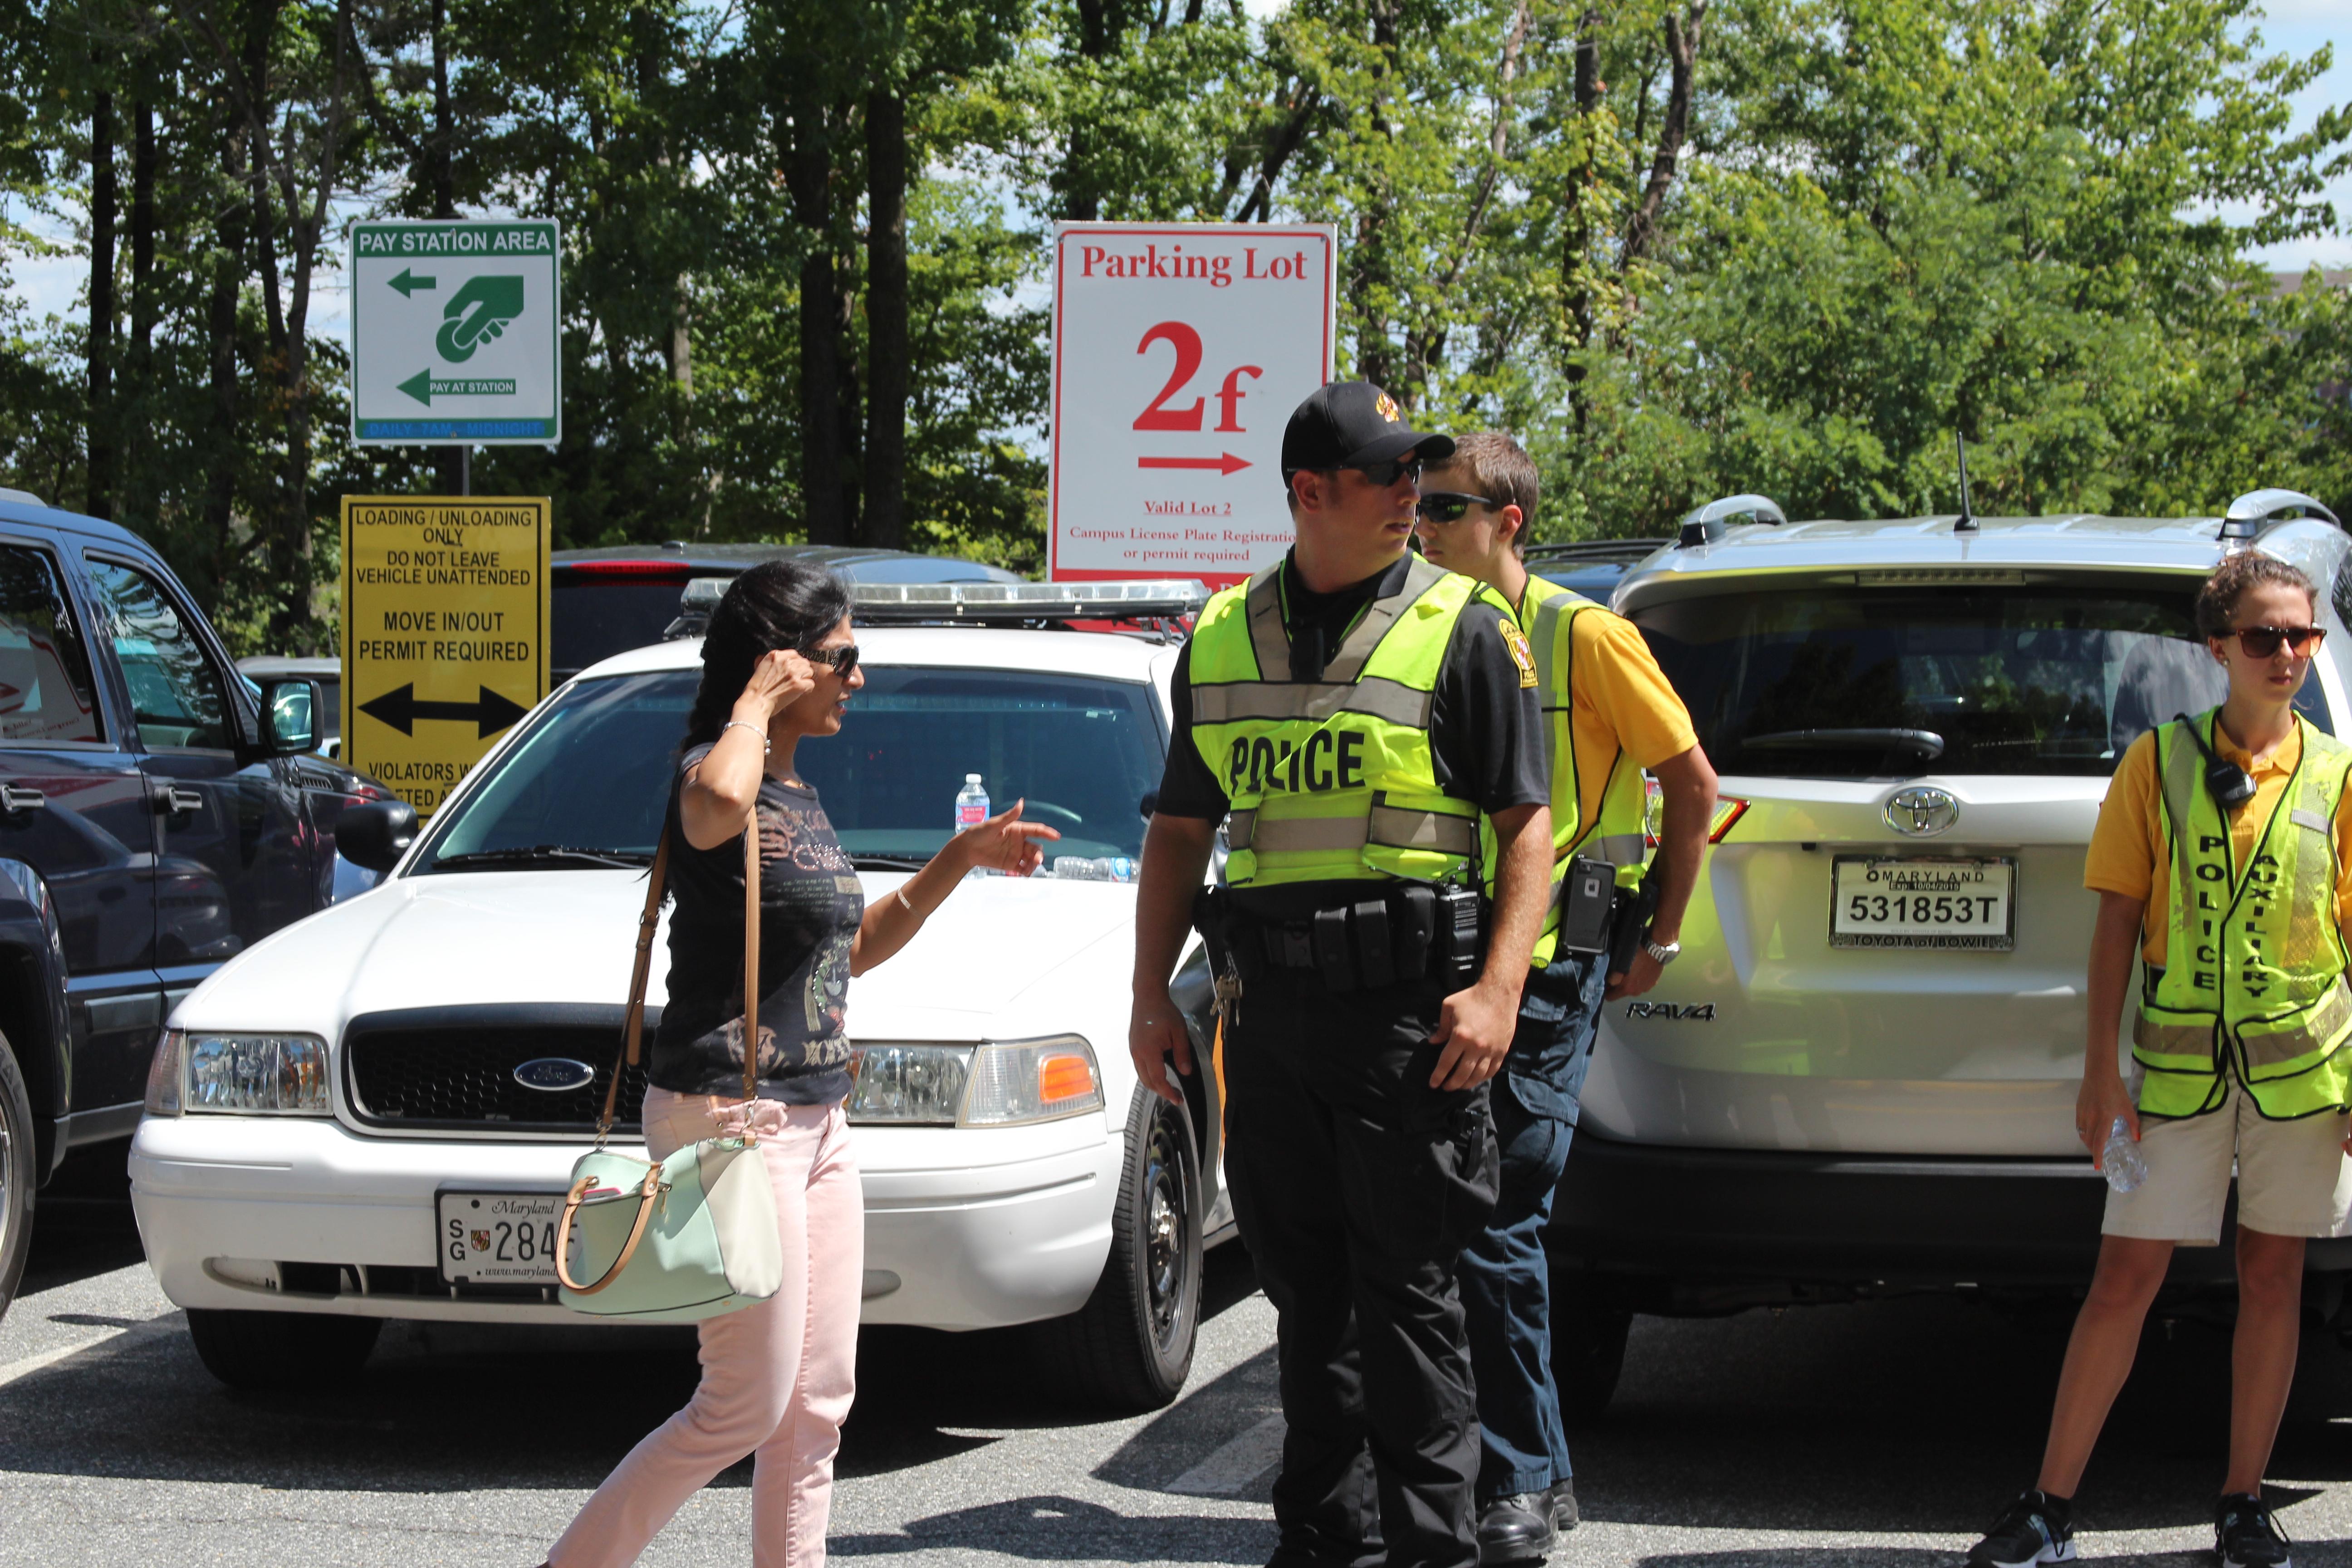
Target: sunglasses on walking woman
840	660
2263	642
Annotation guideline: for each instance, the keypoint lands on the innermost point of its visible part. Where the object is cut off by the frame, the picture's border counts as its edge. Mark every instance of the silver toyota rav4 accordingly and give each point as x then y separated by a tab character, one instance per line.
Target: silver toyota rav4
1860	1076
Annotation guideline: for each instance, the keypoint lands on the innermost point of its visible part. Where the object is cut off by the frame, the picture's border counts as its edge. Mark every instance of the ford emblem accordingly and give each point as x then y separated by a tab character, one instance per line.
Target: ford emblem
554	1075
1922	812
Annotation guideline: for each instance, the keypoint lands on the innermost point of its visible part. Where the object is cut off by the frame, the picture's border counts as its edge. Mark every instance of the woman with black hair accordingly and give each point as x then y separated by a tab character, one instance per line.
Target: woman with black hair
779	663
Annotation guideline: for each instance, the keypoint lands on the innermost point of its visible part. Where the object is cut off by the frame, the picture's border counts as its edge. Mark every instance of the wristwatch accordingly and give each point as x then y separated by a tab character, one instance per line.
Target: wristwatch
1665	952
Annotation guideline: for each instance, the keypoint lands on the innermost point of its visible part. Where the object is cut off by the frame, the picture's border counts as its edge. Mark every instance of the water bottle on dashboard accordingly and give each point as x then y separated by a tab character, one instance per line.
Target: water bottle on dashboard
971	802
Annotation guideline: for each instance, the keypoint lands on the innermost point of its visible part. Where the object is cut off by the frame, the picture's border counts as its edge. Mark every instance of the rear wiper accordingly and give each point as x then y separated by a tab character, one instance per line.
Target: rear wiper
542	854
887	862
1924	744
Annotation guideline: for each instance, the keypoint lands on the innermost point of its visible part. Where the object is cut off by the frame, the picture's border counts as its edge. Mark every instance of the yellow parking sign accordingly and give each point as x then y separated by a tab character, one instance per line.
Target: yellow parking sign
444	632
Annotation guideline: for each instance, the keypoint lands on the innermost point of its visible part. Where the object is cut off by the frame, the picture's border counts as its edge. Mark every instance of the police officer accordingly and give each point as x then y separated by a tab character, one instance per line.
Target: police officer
1358	713
1610	713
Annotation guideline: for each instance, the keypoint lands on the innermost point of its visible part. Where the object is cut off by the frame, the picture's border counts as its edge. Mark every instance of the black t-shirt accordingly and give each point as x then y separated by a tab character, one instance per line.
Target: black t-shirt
1486	729
810	907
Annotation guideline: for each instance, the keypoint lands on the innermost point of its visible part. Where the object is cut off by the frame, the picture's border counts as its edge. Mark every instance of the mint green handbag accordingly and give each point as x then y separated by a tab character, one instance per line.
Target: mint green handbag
694	1235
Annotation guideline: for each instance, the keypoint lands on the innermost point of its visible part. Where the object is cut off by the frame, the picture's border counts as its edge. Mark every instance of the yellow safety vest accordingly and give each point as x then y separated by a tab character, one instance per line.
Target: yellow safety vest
1331	780
2254	965
1617	832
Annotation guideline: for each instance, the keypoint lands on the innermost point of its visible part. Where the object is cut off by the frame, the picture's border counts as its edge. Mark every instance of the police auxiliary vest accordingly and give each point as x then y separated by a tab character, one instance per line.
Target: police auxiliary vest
1331	779
2253	962
1548	614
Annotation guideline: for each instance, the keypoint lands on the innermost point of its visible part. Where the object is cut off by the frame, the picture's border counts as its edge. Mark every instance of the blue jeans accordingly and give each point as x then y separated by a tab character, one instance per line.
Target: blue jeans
1506	1286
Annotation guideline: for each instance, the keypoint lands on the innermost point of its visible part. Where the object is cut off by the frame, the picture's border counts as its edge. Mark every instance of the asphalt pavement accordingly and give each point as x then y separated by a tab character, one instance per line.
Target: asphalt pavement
1881	1435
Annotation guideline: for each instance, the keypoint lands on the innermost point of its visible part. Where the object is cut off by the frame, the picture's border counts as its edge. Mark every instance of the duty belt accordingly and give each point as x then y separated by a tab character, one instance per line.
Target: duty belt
1404	933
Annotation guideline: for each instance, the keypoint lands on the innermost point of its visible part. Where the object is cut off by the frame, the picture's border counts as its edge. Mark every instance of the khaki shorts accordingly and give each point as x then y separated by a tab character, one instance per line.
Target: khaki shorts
2293	1177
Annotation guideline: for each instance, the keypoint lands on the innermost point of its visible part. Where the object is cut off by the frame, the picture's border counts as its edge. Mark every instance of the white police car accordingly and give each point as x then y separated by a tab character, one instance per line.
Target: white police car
373	1114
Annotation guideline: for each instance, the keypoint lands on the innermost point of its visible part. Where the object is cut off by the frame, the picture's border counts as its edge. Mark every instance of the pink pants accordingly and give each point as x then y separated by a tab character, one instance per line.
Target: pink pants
777	1378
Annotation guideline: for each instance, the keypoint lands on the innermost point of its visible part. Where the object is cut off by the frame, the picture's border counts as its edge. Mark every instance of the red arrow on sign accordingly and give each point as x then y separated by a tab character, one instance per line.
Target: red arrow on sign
1225	464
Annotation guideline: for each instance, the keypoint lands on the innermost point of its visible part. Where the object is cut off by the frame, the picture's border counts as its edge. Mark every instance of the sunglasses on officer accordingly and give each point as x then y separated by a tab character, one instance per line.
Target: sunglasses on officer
840	660
1449	506
2263	642
1381	475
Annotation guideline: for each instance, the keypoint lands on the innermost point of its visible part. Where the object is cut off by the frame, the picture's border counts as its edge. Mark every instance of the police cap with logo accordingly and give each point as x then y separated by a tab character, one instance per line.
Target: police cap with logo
1353	425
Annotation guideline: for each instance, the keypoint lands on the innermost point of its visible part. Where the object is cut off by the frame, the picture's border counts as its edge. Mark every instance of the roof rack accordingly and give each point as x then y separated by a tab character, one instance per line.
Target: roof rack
1165	599
2253	512
23	498
1708	523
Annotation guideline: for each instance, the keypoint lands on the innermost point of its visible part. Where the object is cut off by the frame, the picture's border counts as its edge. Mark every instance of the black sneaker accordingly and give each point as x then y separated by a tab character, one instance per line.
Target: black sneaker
2247	1534
2036	1528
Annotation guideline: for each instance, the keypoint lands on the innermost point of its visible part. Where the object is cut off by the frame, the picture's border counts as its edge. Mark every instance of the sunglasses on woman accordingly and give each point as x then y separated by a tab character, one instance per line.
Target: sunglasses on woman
840	660
1448	506
2263	642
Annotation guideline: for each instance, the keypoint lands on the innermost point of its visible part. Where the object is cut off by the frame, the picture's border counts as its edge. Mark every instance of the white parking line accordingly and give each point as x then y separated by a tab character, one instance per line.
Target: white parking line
1234	1467
33	1363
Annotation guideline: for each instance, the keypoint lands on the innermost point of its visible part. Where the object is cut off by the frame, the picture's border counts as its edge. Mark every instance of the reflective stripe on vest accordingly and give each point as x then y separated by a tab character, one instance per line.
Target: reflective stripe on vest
2254	961
1330	779
1616	833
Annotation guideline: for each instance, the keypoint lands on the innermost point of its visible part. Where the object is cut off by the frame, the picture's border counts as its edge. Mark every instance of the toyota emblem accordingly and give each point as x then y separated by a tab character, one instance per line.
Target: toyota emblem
1922	812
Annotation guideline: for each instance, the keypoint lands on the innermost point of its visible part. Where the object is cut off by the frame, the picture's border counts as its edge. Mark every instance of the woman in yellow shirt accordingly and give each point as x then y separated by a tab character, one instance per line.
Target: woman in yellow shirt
2267	770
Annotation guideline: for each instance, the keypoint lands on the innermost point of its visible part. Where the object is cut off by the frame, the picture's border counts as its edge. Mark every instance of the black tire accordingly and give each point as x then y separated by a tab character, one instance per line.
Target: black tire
1590	1323
16	1175
281	1349
1131	1346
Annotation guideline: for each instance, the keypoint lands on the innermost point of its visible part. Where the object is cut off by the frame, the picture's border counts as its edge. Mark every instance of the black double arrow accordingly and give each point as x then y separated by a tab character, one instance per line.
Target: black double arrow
401	708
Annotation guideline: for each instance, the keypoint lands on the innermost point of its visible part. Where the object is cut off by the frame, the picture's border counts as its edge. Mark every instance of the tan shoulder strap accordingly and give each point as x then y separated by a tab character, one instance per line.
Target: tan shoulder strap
751	962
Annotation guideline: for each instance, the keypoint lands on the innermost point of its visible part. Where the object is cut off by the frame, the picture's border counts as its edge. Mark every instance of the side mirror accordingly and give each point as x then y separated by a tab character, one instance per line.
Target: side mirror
291	710
375	834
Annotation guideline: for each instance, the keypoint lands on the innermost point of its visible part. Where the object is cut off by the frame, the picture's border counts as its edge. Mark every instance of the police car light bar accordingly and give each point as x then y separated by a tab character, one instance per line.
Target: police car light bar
1161	600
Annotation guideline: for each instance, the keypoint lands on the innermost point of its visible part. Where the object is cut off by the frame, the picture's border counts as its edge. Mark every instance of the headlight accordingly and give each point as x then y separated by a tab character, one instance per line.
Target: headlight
910	1083
1000	1083
1032	1080
164	1075
270	1075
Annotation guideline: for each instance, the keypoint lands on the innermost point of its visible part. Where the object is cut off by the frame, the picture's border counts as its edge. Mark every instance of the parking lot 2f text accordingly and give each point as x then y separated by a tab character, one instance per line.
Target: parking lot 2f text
1217	271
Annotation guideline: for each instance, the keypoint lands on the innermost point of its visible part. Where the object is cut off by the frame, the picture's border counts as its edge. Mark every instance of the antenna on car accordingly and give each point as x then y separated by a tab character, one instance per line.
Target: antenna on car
1967	522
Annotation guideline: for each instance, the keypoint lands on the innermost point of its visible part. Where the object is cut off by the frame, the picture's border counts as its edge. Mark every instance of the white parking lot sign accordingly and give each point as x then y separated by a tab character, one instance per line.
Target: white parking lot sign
454	332
1178	351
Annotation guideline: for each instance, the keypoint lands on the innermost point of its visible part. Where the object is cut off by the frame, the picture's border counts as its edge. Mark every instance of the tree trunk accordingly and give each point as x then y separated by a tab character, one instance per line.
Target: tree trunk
220	456
820	393
1576	245
97	499
885	319
1682	59
142	239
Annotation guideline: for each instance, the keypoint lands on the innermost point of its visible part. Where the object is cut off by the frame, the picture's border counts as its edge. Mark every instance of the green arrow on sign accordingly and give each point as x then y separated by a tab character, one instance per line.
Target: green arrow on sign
425	386
408	283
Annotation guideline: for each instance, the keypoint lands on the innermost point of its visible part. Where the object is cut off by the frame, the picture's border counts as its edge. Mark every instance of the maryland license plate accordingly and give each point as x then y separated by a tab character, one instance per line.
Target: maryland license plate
498	1238
1919	901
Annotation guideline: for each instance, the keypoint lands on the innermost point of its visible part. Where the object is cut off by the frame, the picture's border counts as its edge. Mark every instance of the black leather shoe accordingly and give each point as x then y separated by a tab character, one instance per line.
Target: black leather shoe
1515	1529
1563	1506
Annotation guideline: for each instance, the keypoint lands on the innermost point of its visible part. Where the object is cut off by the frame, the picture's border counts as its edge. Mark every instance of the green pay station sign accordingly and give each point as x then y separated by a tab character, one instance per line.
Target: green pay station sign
454	332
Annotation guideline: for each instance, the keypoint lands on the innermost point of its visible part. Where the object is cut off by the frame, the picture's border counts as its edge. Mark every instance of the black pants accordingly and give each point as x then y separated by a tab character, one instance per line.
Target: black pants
1357	1186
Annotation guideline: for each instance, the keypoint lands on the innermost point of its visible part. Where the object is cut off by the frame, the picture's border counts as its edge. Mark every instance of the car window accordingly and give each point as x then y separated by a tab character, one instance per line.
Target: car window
2012	681
176	695
1082	751
46	693
592	616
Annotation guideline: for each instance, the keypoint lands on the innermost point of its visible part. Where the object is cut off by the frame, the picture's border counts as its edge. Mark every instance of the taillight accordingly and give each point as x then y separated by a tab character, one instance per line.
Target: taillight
1729	809
633	571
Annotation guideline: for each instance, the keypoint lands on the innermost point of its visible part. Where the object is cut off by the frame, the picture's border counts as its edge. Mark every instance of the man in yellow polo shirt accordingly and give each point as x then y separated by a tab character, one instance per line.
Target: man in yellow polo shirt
2224	853
1609	714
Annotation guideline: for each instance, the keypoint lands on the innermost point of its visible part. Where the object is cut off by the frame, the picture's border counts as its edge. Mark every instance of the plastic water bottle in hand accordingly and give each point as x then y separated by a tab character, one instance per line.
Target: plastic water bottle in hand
2121	1161
971	802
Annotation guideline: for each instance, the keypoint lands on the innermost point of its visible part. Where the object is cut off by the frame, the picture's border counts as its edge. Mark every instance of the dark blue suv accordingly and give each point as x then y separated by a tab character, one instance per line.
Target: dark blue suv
158	816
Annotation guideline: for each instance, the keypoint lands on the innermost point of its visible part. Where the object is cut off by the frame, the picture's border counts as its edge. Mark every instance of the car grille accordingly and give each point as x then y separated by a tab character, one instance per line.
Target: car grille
454	1067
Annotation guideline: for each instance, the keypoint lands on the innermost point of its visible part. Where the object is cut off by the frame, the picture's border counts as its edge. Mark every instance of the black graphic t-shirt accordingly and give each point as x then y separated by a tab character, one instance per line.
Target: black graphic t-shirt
810	906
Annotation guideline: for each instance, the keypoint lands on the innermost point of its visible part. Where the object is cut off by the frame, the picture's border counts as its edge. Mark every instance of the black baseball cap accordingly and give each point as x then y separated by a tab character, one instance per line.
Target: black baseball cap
1350	424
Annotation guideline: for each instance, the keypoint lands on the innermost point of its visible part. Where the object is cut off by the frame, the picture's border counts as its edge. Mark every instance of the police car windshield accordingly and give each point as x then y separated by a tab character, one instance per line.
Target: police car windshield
591	770
2015	680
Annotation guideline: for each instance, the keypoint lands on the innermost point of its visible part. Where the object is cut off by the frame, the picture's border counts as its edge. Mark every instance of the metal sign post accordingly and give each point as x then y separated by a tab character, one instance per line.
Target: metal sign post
1178	351
445	634
456	332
